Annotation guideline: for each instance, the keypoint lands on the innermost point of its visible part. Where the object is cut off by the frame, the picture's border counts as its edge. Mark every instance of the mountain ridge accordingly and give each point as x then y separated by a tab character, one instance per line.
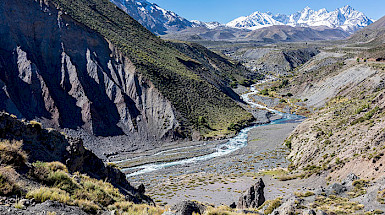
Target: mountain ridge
153	17
345	18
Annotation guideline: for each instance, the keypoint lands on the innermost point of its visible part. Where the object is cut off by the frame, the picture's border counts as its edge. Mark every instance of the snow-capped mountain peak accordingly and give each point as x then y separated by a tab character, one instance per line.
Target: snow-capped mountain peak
152	16
209	25
345	18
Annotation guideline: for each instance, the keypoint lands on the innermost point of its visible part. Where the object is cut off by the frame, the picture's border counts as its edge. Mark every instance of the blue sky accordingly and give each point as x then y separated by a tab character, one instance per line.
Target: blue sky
227	10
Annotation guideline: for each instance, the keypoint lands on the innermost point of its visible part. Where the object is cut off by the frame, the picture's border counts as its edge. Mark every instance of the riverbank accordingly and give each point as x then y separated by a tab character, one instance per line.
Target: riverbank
220	180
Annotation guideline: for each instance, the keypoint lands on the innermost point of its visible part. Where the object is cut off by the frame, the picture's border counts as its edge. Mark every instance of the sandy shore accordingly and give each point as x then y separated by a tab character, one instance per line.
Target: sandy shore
221	180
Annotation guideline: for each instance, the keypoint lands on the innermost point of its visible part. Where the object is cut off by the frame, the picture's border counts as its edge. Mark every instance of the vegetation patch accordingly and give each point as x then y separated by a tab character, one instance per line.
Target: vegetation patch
271	205
8	184
359	188
11	153
337	205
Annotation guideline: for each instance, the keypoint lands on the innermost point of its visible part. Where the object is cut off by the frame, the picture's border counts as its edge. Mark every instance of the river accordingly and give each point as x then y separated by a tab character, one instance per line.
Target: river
233	144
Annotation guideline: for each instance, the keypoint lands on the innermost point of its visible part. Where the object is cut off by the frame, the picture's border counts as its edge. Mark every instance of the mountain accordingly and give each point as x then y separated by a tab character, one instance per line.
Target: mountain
374	33
209	25
271	34
345	18
153	17
88	66
295	34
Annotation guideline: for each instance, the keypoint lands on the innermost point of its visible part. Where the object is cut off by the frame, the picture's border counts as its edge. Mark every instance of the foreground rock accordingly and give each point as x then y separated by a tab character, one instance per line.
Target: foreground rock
48	207
187	208
253	197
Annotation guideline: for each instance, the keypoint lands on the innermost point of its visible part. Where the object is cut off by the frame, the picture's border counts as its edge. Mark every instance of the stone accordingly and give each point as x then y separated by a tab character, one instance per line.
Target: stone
188	207
253	197
336	189
233	205
309	212
350	178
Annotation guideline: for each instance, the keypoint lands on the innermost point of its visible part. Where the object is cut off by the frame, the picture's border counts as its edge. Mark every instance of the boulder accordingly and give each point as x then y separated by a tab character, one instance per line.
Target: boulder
188	207
336	189
309	212
350	178
252	197
288	206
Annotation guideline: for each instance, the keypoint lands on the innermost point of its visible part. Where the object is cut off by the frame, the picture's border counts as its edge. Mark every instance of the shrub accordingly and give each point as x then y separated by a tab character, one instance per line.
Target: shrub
11	153
8	185
98	191
264	92
302	195
359	188
35	124
271	205
55	166
18	205
135	209
87	205
246	82
381	196
288	144
61	180
44	193
284	83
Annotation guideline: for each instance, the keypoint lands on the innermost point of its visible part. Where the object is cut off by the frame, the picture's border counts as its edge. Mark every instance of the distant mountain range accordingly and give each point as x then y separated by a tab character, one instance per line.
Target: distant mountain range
343	21
345	18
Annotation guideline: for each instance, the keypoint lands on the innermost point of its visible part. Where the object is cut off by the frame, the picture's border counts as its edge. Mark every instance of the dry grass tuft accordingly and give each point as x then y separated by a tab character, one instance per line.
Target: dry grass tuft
125	207
8	184
45	193
11	153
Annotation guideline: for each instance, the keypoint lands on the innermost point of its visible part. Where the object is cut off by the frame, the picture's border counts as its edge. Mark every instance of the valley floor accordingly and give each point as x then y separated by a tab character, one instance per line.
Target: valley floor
221	180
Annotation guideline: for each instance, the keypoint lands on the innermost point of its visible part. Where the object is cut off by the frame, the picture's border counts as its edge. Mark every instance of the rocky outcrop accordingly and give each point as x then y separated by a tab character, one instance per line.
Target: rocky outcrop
253	197
42	208
50	145
187	208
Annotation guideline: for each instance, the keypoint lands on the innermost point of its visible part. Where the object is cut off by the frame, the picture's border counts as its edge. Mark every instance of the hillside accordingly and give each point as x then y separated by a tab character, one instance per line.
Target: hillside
39	165
344	89
373	33
269	34
295	34
92	66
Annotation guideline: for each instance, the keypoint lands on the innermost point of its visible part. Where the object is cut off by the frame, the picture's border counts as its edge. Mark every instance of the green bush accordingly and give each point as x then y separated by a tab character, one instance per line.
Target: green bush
264	92
62	180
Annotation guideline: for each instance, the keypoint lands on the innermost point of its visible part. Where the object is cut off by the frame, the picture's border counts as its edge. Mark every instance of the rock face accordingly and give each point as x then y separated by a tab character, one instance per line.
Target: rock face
253	197
50	145
54	68
58	65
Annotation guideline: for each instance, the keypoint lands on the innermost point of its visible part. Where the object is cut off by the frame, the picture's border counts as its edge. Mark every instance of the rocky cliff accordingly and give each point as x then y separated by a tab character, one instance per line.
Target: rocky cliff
54	68
58	64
